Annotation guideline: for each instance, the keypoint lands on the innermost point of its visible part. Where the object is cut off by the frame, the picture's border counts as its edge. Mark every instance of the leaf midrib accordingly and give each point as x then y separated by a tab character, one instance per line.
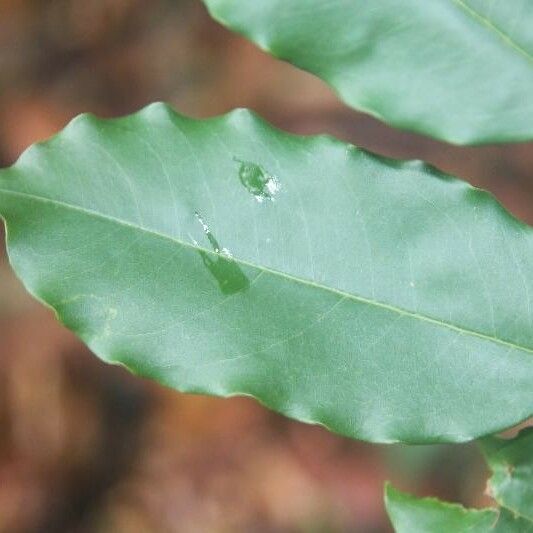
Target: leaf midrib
347	295
492	27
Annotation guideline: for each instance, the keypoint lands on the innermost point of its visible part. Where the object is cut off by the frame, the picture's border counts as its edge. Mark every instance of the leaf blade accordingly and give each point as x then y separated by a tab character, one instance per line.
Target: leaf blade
168	259
447	69
411	514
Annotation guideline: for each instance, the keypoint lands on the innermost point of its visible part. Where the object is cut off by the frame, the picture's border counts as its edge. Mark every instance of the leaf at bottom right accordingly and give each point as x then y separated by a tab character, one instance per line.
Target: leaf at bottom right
511	485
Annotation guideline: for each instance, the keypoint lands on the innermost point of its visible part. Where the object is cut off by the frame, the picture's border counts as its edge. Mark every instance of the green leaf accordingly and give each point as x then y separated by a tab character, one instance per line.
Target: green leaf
457	70
409	514
511	462
382	299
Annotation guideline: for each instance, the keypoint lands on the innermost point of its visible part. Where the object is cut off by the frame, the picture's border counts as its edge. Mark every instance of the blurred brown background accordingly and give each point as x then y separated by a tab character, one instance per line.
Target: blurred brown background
86	447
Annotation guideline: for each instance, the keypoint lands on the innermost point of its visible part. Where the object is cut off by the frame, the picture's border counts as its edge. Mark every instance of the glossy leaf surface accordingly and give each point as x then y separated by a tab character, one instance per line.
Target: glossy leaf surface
382	299
511	462
458	70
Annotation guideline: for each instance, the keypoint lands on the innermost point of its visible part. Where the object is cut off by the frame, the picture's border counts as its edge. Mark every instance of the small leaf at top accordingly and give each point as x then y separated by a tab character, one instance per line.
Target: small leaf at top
457	70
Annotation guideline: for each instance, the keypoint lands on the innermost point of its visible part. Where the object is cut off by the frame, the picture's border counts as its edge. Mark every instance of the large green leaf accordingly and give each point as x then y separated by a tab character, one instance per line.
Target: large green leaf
382	299
511	462
458	70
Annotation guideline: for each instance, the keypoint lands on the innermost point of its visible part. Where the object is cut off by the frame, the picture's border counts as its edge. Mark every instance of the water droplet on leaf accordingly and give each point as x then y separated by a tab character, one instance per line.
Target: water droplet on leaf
229	276
261	184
